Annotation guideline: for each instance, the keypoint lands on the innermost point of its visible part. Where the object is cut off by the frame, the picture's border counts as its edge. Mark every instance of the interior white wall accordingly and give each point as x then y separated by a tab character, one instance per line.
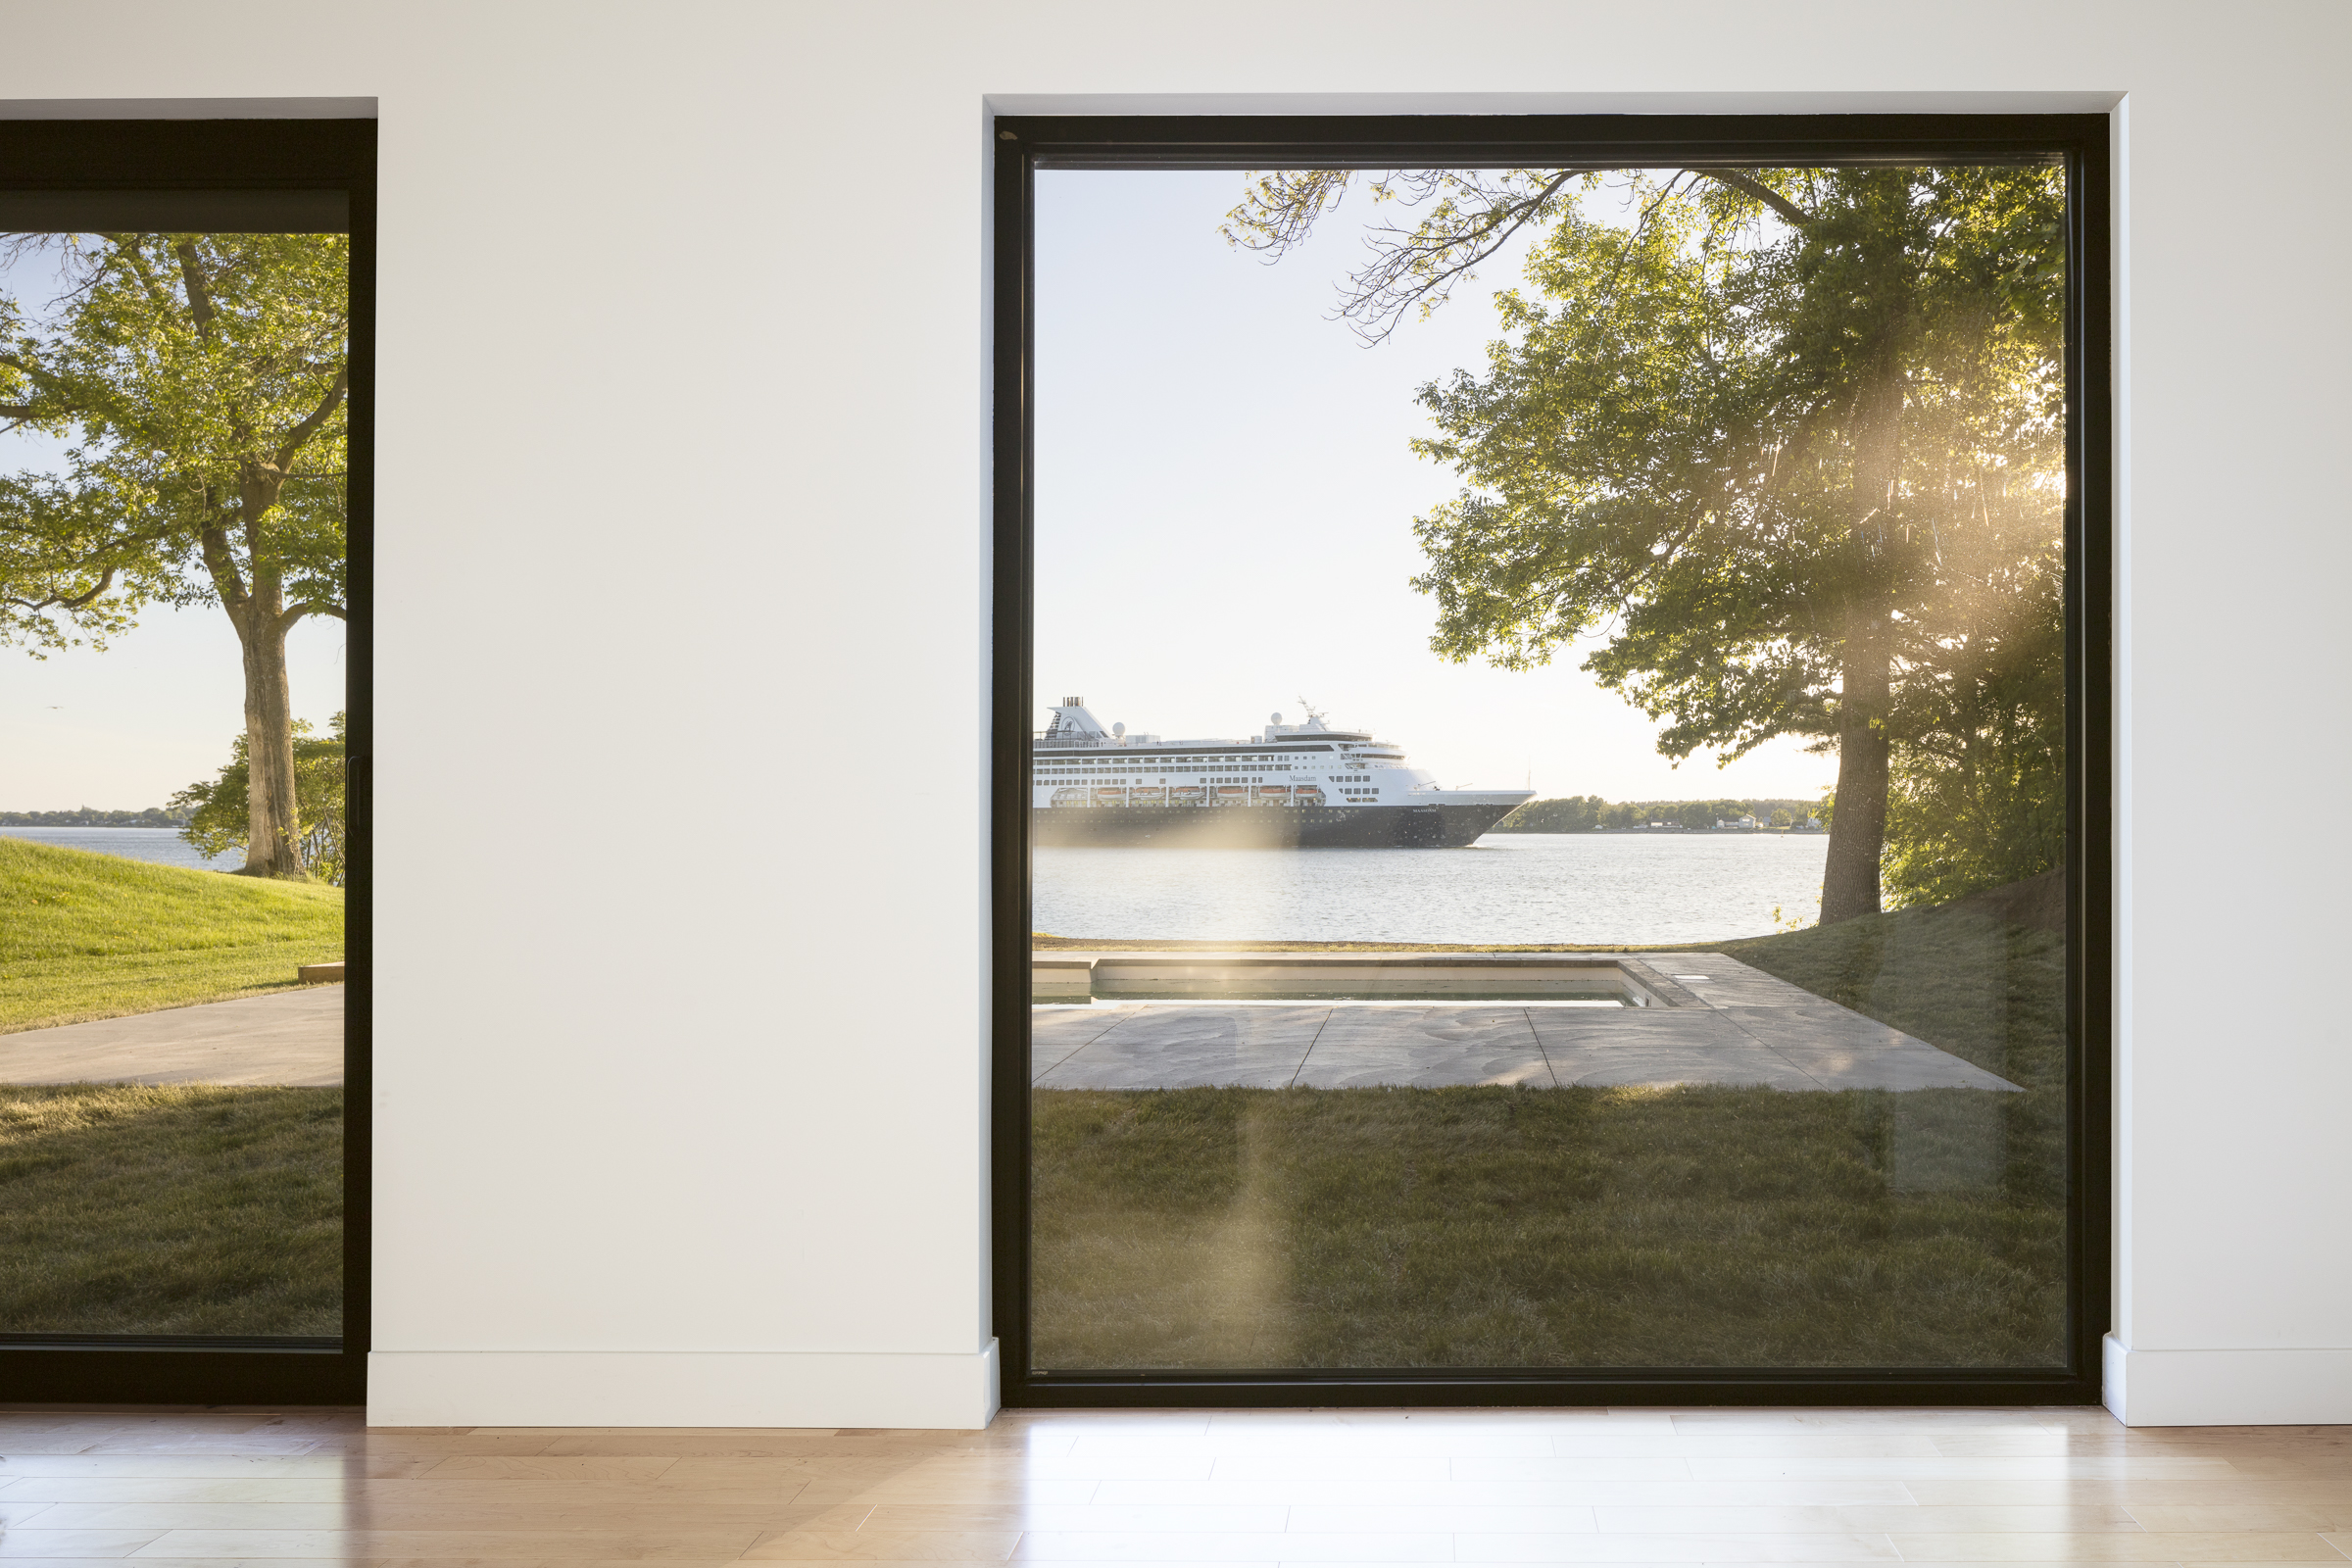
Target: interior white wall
681	457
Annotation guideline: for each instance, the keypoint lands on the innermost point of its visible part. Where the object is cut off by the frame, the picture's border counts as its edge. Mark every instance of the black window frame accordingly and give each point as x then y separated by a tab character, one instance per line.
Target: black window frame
214	161
2081	143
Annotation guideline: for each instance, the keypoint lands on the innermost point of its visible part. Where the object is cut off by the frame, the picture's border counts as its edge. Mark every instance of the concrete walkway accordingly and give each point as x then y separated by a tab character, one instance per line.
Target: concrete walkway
1740	1026
289	1036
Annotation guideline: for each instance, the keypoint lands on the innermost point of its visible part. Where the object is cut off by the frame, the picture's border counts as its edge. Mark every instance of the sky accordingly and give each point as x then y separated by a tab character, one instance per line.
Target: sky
1225	500
158	709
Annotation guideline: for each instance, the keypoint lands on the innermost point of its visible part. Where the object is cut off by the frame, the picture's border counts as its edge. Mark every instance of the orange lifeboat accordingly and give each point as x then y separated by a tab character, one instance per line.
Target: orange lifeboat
1308	795
1186	794
1151	795
1110	797
1233	793
1273	795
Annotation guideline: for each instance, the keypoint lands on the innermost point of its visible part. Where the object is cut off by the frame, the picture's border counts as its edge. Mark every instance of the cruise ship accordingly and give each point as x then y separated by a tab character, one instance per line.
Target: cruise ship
1290	786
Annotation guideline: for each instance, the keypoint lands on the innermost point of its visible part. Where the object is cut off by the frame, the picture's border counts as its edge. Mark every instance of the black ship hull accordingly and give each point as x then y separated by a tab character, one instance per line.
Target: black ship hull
1270	827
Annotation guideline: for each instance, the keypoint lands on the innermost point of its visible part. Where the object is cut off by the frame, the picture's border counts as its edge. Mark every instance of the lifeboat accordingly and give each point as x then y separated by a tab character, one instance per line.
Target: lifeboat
1070	794
1233	793
1152	795
1308	795
1110	797
1186	794
1273	795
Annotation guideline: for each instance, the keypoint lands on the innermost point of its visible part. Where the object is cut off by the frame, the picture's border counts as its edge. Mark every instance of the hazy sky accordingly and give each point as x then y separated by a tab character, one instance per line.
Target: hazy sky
1225	505
158	710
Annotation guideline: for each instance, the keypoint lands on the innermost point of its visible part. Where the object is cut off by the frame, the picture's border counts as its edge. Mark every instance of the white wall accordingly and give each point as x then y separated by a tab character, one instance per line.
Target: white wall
682	461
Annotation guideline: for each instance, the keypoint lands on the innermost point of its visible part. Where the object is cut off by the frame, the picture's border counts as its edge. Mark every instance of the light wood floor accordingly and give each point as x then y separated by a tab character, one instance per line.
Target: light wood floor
1649	1486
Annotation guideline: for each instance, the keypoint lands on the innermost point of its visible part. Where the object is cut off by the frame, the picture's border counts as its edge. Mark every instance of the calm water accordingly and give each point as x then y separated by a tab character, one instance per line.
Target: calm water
1507	887
162	845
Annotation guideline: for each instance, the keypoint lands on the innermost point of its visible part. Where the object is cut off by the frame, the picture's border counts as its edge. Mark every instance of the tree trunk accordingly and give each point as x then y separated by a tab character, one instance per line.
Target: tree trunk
1849	884
273	818
1849	880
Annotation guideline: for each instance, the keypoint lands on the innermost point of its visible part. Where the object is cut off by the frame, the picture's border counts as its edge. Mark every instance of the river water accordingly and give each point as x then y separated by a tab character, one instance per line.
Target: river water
1507	887
162	845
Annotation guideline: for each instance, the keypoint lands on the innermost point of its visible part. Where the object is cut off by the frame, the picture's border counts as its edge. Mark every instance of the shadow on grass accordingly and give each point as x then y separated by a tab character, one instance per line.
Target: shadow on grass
1510	1227
129	1209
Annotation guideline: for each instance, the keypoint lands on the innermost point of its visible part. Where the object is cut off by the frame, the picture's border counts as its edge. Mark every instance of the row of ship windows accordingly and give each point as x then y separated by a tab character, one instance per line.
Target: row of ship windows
1271	767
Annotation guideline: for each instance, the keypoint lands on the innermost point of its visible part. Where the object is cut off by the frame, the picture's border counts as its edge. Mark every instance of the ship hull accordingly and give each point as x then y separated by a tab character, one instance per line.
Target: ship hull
1274	827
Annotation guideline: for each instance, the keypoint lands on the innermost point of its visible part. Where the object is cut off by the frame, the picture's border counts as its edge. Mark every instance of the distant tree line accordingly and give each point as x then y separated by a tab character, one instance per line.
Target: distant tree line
1586	813
90	817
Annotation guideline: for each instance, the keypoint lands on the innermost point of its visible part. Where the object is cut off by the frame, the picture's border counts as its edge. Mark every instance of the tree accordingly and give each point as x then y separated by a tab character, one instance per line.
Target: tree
217	822
1782	817
1789	440
1979	797
203	380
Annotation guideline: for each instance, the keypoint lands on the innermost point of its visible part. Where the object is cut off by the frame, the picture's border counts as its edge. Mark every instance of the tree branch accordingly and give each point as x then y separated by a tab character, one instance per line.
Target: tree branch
1749	185
68	601
200	297
302	434
305	607
1422	268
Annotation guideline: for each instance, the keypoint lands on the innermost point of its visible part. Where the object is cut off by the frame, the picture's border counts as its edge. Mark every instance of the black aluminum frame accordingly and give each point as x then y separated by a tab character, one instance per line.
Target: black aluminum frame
188	169
2081	143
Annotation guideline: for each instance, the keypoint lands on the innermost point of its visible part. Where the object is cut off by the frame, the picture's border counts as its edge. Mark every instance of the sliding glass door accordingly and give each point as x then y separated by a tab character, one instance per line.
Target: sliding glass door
183	537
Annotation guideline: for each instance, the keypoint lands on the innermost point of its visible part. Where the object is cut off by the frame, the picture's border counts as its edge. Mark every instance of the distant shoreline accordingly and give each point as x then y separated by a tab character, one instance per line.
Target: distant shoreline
1654	832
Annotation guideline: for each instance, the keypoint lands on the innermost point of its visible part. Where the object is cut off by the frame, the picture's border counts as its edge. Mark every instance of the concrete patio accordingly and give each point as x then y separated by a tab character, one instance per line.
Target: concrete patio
1721	1022
293	1038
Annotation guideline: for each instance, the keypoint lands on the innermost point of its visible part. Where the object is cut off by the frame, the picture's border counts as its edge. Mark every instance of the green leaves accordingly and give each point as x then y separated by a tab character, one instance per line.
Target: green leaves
1786	442
198	379
219	822
1721	440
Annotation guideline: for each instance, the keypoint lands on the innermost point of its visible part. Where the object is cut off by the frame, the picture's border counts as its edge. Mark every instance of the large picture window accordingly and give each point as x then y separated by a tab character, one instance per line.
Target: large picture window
1551	777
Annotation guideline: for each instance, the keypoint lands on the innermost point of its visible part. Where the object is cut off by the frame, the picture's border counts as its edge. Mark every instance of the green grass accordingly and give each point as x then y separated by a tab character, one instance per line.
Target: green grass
94	936
127	1208
1588	1227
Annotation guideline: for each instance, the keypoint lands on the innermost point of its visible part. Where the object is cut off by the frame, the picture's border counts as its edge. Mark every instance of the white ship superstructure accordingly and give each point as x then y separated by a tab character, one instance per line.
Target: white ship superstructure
1332	787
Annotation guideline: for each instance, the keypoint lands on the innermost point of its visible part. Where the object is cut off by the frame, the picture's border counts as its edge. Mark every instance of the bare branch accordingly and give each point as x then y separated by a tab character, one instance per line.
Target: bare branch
1420	269
307	607
1471	216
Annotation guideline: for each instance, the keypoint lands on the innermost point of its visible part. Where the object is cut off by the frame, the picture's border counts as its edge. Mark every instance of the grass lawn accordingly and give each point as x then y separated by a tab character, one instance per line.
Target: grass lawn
1590	1227
96	936
192	1208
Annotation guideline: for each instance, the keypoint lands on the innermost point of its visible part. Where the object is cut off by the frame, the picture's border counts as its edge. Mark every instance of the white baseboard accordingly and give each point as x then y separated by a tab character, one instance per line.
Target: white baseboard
2228	1388
680	1388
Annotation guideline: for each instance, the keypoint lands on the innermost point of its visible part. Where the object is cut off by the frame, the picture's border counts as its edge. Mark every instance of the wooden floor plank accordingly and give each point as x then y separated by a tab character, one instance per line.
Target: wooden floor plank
208	1489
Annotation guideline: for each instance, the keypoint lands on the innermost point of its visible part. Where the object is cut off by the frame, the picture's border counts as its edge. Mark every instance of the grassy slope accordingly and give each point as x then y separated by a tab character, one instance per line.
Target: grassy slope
190	1208
1501	1227
95	936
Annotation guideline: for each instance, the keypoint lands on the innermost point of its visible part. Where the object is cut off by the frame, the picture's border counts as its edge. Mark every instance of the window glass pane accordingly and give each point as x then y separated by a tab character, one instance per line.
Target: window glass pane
172	565
1547	791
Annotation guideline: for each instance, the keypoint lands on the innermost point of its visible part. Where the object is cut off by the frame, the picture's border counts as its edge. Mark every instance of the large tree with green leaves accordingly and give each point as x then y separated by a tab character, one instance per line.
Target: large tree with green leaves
1789	442
201	382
